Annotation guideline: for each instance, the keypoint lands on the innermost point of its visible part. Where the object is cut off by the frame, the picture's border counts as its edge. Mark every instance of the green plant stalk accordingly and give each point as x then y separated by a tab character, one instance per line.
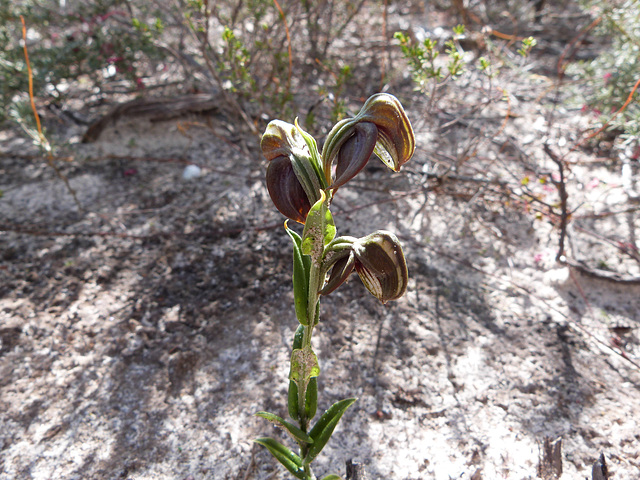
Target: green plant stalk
315	283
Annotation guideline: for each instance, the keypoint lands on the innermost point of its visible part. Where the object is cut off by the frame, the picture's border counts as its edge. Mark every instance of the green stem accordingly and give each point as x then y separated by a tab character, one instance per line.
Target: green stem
307	473
312	310
314	288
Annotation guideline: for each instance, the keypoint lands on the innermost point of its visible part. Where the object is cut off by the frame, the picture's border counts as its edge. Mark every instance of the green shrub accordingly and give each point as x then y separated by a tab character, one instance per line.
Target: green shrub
94	43
426	72
258	52
263	51
609	79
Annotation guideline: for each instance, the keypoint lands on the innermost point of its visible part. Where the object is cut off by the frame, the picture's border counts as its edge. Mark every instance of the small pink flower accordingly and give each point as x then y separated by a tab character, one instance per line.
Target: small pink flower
537	257
140	83
105	16
607	76
593	183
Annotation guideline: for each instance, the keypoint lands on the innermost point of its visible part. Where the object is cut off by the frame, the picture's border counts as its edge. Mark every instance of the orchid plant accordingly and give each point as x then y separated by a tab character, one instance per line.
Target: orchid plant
302	182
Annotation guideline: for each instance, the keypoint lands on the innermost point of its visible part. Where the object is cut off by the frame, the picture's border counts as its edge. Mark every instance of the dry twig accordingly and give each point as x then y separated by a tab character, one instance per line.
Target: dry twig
42	140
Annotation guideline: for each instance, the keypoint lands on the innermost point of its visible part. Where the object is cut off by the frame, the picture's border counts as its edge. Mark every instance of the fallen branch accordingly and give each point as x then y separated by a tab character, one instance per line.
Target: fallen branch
604	345
599	273
39	232
156	109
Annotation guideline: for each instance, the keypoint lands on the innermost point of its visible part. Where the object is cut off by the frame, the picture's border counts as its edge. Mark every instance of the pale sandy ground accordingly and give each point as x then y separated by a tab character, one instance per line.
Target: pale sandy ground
144	356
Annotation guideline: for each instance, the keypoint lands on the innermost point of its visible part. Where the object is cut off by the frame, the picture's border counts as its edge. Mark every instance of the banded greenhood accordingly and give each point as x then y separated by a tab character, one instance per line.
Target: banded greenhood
381	127
377	258
293	174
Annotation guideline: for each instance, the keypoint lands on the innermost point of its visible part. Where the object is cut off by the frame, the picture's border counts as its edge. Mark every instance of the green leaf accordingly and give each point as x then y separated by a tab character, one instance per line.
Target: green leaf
294	431
311	398
319	230
304	366
286	457
293	387
298	336
300	278
292	400
332	477
322	430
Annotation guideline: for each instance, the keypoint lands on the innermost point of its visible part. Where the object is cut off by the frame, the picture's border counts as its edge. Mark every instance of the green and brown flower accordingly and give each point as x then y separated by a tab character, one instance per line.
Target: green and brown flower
377	259
381	127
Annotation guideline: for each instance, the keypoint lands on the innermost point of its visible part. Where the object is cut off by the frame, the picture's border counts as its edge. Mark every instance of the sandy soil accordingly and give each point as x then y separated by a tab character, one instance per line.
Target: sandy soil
139	336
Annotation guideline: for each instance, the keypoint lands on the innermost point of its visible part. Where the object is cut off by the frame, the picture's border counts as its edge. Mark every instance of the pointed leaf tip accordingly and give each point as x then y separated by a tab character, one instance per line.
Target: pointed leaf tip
286	457
294	431
324	427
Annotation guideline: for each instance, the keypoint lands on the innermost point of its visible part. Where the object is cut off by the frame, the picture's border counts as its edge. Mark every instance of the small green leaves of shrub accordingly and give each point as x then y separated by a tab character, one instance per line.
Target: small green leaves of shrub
302	182
527	45
421	58
606	82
